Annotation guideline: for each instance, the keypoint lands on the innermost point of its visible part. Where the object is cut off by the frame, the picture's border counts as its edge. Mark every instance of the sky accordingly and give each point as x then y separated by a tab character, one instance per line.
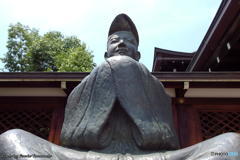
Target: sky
178	25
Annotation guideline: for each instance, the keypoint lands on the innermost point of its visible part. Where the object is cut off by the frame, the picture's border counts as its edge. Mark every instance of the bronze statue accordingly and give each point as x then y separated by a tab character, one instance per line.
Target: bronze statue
119	111
111	94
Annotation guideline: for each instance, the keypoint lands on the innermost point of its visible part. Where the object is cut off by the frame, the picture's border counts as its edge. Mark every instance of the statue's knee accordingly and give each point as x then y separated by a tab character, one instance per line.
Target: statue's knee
10	132
232	136
8	138
228	138
13	131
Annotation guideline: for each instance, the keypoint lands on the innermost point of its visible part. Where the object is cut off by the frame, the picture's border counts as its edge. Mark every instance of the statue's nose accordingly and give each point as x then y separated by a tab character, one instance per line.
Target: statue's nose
122	43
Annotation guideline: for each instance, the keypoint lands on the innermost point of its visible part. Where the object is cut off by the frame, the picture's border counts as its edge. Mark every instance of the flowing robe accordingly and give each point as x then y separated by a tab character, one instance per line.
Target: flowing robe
125	96
140	95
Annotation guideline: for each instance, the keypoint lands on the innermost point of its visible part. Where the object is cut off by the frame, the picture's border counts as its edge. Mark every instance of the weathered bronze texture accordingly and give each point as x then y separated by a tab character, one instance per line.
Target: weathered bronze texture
119	111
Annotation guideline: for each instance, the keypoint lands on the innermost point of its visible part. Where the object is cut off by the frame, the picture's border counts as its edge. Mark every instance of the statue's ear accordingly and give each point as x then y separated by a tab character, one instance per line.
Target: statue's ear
138	56
105	55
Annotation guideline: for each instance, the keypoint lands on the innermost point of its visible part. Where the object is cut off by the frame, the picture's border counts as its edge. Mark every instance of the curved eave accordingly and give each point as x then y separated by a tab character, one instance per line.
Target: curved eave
161	55
225	17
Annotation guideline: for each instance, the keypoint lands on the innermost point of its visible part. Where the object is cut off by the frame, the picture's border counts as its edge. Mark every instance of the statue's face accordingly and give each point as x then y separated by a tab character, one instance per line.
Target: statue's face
122	43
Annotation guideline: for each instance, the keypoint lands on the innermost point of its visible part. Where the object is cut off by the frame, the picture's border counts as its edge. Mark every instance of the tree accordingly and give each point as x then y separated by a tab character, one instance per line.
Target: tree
29	51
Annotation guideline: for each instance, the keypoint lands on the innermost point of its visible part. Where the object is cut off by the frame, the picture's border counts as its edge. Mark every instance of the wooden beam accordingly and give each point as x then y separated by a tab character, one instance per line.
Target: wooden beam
223	20
54	79
209	101
230	39
42	76
198	76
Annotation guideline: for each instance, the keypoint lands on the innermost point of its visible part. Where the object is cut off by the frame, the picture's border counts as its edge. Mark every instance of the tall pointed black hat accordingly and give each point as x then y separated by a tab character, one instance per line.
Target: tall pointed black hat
123	23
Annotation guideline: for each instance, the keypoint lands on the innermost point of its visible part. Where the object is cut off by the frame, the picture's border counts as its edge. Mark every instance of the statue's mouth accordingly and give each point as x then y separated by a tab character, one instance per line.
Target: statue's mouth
122	50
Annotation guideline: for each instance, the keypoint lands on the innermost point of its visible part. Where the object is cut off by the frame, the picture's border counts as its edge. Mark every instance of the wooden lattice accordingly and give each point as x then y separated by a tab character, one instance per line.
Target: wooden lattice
37	123
215	123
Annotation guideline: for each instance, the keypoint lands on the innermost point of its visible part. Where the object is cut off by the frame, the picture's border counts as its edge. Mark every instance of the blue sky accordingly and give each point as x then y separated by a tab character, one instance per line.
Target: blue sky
168	24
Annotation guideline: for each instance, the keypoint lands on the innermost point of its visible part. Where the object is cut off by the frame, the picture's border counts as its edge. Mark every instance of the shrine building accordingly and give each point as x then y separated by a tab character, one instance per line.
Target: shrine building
204	87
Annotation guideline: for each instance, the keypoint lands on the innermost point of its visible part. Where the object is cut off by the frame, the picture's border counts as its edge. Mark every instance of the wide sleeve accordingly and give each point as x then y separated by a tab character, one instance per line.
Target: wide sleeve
87	110
143	98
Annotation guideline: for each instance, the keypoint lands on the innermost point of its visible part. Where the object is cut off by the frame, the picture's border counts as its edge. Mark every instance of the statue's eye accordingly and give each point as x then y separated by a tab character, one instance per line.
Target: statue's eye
131	41
114	40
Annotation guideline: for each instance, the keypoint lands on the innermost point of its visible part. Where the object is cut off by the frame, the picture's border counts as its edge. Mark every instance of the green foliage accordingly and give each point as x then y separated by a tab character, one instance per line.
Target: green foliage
29	51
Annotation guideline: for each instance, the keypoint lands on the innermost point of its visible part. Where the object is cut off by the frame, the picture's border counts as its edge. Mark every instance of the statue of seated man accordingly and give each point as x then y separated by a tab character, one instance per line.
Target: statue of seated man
119	111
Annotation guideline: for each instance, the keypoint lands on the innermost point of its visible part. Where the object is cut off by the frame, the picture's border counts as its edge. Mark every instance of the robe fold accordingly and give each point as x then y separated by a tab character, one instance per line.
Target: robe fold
141	96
